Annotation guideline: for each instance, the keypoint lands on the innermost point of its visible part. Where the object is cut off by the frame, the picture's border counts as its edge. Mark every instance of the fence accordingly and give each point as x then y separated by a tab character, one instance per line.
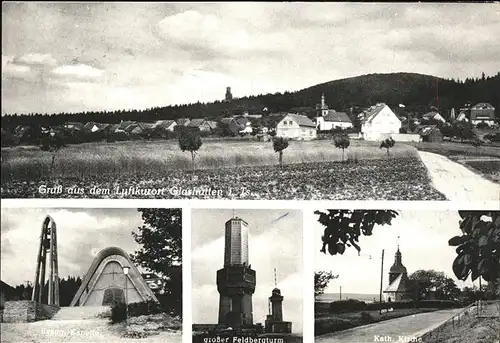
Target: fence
480	309
488	309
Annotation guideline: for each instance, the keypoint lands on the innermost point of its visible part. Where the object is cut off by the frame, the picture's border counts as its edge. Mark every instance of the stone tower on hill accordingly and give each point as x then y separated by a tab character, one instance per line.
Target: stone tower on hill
236	280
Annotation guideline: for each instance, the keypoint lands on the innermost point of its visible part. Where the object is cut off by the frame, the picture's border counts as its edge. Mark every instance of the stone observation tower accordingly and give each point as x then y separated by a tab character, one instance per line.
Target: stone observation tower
236	281
274	320
229	96
48	247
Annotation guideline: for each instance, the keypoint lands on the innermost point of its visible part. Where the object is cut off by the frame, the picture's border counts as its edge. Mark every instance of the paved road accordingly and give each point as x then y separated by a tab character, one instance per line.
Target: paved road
457	182
390	330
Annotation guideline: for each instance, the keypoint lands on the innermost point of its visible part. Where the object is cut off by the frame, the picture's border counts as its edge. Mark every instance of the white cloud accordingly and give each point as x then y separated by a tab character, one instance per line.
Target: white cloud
81	71
218	34
11	69
36	59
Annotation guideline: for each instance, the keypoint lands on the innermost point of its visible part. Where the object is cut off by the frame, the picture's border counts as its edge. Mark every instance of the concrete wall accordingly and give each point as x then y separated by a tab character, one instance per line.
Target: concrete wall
24	311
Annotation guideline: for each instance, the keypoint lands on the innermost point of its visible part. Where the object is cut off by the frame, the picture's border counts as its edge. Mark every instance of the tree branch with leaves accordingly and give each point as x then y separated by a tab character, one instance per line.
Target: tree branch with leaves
478	248
344	227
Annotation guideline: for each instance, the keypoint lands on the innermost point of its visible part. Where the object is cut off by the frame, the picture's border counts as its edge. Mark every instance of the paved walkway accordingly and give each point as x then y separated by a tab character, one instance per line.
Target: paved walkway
76	331
394	330
457	182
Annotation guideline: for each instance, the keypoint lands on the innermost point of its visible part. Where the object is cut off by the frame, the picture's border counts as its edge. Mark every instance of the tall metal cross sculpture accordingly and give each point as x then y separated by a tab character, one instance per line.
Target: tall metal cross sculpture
48	246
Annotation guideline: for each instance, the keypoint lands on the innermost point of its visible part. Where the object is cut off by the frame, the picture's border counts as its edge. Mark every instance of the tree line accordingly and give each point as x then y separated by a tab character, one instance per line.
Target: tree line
418	92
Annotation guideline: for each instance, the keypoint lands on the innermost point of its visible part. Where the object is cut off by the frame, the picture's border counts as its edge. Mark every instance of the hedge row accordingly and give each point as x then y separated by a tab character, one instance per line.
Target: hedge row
119	311
352	305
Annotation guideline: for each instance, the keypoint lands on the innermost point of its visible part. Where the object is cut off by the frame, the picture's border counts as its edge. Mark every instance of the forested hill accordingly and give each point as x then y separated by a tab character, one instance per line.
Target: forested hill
416	91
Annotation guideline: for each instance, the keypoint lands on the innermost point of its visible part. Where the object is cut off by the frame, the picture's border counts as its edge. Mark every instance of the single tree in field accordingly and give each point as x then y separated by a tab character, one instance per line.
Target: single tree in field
342	142
387	143
478	248
190	140
321	280
160	238
52	141
280	144
344	227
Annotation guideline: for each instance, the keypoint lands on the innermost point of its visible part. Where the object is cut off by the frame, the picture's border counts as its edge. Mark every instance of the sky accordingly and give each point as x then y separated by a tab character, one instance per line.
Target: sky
275	241
423	242
81	234
70	57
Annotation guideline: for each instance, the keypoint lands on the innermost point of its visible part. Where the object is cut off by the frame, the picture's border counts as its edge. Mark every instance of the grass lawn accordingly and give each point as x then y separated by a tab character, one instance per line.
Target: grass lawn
327	323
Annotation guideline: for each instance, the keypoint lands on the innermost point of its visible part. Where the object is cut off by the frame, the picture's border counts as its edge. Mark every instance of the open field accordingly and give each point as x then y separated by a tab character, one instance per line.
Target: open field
327	323
152	158
226	170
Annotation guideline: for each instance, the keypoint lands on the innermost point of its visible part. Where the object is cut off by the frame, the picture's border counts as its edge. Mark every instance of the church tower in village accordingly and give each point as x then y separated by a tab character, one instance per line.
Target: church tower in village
324	106
398	277
397	268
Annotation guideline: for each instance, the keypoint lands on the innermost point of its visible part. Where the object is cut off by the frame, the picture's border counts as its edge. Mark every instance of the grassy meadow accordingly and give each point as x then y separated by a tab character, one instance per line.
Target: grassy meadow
152	158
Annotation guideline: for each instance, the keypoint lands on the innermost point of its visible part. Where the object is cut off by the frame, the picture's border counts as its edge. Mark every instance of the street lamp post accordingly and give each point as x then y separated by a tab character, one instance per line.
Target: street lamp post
125	272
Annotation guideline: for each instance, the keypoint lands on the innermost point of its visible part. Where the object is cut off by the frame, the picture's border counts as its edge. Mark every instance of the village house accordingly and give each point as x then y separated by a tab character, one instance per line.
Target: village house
200	124
330	119
378	122
296	126
164	125
482	112
240	125
182	121
213	124
433	116
124	124
73	126
429	133
93	127
464	113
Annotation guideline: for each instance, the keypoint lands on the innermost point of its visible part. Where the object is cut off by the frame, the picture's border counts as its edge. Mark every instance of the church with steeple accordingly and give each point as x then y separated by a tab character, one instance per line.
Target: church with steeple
397	290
